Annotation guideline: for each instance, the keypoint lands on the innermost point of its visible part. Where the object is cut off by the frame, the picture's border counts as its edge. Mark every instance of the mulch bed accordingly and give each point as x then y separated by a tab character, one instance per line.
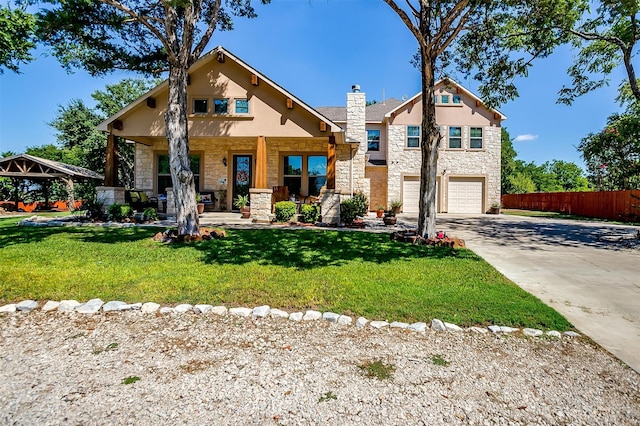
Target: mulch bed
442	240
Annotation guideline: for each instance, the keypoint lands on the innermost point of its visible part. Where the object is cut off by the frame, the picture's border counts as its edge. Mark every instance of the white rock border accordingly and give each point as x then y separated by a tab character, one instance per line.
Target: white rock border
94	306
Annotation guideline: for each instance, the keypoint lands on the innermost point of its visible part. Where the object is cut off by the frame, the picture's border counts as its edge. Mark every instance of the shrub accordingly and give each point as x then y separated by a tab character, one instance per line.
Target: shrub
310	213
150	214
353	207
119	212
285	210
361	202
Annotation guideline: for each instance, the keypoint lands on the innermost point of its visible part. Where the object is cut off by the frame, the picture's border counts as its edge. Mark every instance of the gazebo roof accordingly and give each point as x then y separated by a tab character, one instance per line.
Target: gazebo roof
27	166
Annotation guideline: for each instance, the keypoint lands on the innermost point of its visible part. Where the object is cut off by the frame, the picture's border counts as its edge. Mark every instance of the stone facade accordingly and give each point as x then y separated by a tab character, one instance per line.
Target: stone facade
109	195
260	204
356	134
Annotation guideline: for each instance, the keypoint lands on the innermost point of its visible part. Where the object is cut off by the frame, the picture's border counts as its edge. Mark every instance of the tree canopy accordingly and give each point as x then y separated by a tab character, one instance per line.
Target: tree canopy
17	38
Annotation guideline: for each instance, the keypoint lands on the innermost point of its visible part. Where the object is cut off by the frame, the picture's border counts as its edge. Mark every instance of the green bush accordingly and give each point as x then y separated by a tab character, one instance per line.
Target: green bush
119	212
310	213
285	210
150	214
358	205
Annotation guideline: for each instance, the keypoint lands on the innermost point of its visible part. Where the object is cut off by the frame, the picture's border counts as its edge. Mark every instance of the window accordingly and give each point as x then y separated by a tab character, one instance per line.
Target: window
164	172
413	136
292	173
373	140
305	174
475	138
200	106
445	99
221	106
455	137
457	99
242	106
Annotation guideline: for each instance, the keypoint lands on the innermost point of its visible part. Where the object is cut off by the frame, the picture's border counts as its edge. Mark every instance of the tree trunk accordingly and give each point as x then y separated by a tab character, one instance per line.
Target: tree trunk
178	141
429	146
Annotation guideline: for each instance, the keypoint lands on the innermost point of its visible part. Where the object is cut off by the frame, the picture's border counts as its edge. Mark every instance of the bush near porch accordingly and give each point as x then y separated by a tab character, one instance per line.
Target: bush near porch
354	273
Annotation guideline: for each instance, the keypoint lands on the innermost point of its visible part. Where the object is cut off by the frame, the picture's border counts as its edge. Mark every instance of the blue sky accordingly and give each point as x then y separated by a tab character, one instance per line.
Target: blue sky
317	49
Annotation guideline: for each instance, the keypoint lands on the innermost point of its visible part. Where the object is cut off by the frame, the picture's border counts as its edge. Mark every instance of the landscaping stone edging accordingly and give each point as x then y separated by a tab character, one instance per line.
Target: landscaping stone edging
94	306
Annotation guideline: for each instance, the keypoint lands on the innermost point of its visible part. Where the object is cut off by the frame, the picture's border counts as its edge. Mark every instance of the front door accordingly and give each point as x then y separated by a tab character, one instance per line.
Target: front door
241	175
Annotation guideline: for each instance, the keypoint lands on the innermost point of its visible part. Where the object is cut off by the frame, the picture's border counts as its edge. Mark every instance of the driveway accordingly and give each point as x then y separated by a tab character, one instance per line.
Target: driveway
579	268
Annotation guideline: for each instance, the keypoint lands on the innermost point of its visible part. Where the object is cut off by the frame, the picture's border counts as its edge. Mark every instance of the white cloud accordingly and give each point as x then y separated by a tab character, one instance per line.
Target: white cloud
526	137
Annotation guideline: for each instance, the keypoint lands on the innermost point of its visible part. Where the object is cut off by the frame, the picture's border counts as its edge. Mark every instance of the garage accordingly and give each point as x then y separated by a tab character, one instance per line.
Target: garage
466	195
411	194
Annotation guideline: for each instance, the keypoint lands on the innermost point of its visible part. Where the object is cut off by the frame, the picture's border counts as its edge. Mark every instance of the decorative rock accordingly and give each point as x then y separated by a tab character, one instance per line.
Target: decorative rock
531	332
571	334
345	320
437	325
166	310
149	308
130	307
378	324
494	328
361	322
312	316
420	327
397	324
277	313
452	327
68	305
332	317
183	308
479	330
240	312
261	311
202	309
505	329
27	305
11	308
91	307
296	316
51	305
219	310
114	305
554	333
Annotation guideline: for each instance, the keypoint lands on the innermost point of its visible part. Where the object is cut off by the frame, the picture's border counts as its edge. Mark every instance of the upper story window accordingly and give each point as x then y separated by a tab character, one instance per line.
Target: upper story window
455	137
444	99
373	140
475	138
200	106
221	106
242	106
457	99
413	136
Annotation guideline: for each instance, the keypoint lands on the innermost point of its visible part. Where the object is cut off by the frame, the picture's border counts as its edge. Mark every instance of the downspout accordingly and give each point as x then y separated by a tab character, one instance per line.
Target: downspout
351	169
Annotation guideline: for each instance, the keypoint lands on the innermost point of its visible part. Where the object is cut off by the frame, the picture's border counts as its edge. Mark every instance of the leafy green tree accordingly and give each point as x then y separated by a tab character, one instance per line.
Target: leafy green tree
150	37
520	183
492	40
507	162
17	38
568	176
607	38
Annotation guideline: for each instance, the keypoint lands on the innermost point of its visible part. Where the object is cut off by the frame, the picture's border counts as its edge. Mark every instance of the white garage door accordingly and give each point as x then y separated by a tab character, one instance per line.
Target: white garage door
411	194
465	195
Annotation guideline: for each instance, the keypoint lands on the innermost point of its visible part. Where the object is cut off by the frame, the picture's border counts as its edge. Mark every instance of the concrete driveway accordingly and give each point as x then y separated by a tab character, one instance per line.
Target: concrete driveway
576	267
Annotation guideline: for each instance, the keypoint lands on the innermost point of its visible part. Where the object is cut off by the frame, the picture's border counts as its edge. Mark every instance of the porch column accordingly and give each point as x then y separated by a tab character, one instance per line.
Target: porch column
331	163
261	163
111	166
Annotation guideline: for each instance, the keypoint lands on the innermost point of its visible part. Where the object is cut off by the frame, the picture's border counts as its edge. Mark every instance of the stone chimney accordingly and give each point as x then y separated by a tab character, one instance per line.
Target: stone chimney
356	133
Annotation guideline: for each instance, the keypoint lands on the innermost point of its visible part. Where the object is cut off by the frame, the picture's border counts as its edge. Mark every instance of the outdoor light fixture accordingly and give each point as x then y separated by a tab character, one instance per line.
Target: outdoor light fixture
224	161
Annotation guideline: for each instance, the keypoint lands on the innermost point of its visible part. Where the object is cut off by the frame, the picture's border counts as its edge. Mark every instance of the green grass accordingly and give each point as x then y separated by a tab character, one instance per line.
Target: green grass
354	273
377	369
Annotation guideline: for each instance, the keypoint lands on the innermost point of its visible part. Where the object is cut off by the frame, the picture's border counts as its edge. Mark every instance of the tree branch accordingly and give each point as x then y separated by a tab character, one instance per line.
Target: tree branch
204	40
407	21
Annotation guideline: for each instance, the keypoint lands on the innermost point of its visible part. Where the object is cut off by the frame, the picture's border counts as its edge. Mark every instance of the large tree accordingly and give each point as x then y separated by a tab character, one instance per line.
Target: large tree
151	37
17	31
495	40
606	38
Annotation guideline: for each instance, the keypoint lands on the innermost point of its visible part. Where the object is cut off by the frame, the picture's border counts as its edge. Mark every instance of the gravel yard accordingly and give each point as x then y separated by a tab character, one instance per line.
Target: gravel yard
58	368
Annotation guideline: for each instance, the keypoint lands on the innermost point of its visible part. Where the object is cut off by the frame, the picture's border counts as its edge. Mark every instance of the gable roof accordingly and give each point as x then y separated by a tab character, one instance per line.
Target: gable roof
212	55
32	167
447	81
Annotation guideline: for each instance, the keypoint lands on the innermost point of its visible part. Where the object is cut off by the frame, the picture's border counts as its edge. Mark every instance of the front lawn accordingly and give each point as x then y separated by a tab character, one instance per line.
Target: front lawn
356	273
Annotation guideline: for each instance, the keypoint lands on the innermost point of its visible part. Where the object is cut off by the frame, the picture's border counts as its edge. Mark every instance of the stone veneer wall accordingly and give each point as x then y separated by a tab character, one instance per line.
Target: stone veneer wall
260	204
486	162
356	133
109	195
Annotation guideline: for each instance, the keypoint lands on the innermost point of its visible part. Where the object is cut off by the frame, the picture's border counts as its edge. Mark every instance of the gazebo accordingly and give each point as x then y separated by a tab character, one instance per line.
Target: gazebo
36	169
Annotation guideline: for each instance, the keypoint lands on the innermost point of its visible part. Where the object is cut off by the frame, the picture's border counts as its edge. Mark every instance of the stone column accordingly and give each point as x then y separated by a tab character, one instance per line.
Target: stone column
261	204
109	195
330	206
356	133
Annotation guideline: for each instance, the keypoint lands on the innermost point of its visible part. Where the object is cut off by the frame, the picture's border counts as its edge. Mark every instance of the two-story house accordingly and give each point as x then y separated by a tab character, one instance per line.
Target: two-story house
247	134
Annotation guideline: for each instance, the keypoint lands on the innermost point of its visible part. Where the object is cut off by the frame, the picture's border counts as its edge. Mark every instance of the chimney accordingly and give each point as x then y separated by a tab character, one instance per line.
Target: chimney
356	105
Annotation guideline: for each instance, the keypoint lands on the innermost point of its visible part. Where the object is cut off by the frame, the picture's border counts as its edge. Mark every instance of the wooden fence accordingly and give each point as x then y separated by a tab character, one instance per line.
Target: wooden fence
614	205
